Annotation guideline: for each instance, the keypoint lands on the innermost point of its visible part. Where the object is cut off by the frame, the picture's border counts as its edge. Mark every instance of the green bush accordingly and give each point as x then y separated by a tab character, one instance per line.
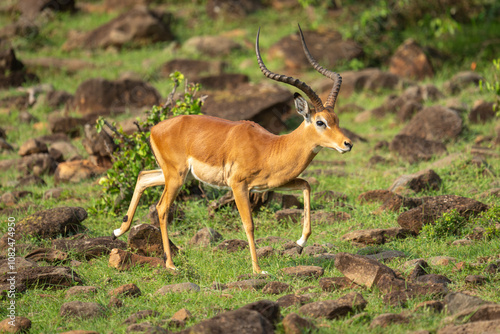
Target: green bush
135	154
451	223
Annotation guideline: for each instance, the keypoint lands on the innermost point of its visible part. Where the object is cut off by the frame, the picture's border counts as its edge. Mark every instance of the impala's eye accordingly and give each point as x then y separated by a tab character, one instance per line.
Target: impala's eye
320	123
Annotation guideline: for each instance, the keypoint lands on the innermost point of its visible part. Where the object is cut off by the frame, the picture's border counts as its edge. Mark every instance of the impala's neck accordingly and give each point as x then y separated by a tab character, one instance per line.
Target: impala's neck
295	151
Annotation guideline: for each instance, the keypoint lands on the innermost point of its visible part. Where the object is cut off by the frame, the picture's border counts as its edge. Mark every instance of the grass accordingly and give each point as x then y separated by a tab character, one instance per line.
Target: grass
205	266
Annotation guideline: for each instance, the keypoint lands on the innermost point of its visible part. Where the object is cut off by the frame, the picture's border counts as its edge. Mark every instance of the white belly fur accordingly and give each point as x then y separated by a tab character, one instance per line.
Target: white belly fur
211	175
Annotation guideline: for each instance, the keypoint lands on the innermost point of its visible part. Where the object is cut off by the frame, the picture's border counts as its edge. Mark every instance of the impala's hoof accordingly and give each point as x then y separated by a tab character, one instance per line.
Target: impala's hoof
113	236
302	242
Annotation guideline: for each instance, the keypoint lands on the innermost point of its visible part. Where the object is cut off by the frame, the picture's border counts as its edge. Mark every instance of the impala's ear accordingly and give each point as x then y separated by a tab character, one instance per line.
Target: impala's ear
302	107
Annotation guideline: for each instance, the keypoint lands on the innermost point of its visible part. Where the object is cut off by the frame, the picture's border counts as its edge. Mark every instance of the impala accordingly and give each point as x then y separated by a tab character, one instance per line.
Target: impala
241	156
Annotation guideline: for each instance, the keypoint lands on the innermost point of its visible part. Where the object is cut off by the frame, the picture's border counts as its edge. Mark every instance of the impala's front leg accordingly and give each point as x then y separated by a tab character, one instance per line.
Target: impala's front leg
300	184
242	200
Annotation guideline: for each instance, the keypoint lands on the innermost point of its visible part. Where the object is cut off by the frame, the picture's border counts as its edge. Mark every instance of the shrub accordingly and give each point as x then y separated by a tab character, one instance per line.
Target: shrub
135	154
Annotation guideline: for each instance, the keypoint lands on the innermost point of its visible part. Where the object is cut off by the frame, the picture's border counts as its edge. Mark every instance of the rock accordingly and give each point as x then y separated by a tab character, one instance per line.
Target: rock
414	149
334	309
291	201
472	328
76	171
82	310
376	236
313	250
238	321
192	68
138	26
248	284
433	305
44	277
360	269
421	269
292	300
205	237
115	302
289	214
232	245
57	98
127	290
100	145
329	309
182	315
146	240
80	290
100	96
22	325
379	195
88	248
325	43
179	288
424	180
276	288
482	112
303	271
231	9
54	193
386	256
462	80
48	255
32	146
434	207
37	164
475	279
485	312
49	223
67	125
18	263
397	291
265	251
137	316
330	284
123	260
387	319
457	302
409	61
294	324
268	309
264	104
12	71
433	279
408	110
435	123
213	46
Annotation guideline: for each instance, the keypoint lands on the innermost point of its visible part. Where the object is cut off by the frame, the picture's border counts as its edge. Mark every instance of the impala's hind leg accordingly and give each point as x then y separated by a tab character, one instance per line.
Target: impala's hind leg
173	184
300	184
145	180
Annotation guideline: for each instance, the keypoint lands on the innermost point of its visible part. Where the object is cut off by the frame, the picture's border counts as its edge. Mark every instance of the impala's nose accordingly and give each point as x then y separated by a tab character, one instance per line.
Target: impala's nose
348	144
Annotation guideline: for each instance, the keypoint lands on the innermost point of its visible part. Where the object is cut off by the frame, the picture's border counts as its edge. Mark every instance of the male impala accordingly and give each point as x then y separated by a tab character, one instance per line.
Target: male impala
242	155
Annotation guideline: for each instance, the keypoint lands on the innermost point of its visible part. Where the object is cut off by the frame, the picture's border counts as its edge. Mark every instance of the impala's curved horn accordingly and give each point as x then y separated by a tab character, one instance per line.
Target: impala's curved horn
316	101
337	79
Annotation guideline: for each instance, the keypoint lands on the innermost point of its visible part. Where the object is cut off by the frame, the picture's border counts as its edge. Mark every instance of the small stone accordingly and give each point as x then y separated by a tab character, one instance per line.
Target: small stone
182	315
205	237
433	305
265	251
80	290
22	325
115	302
475	279
462	242
232	245
434	279
387	319
81	310
127	290
137	316
330	284
304	271
294	324
292	300
276	288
